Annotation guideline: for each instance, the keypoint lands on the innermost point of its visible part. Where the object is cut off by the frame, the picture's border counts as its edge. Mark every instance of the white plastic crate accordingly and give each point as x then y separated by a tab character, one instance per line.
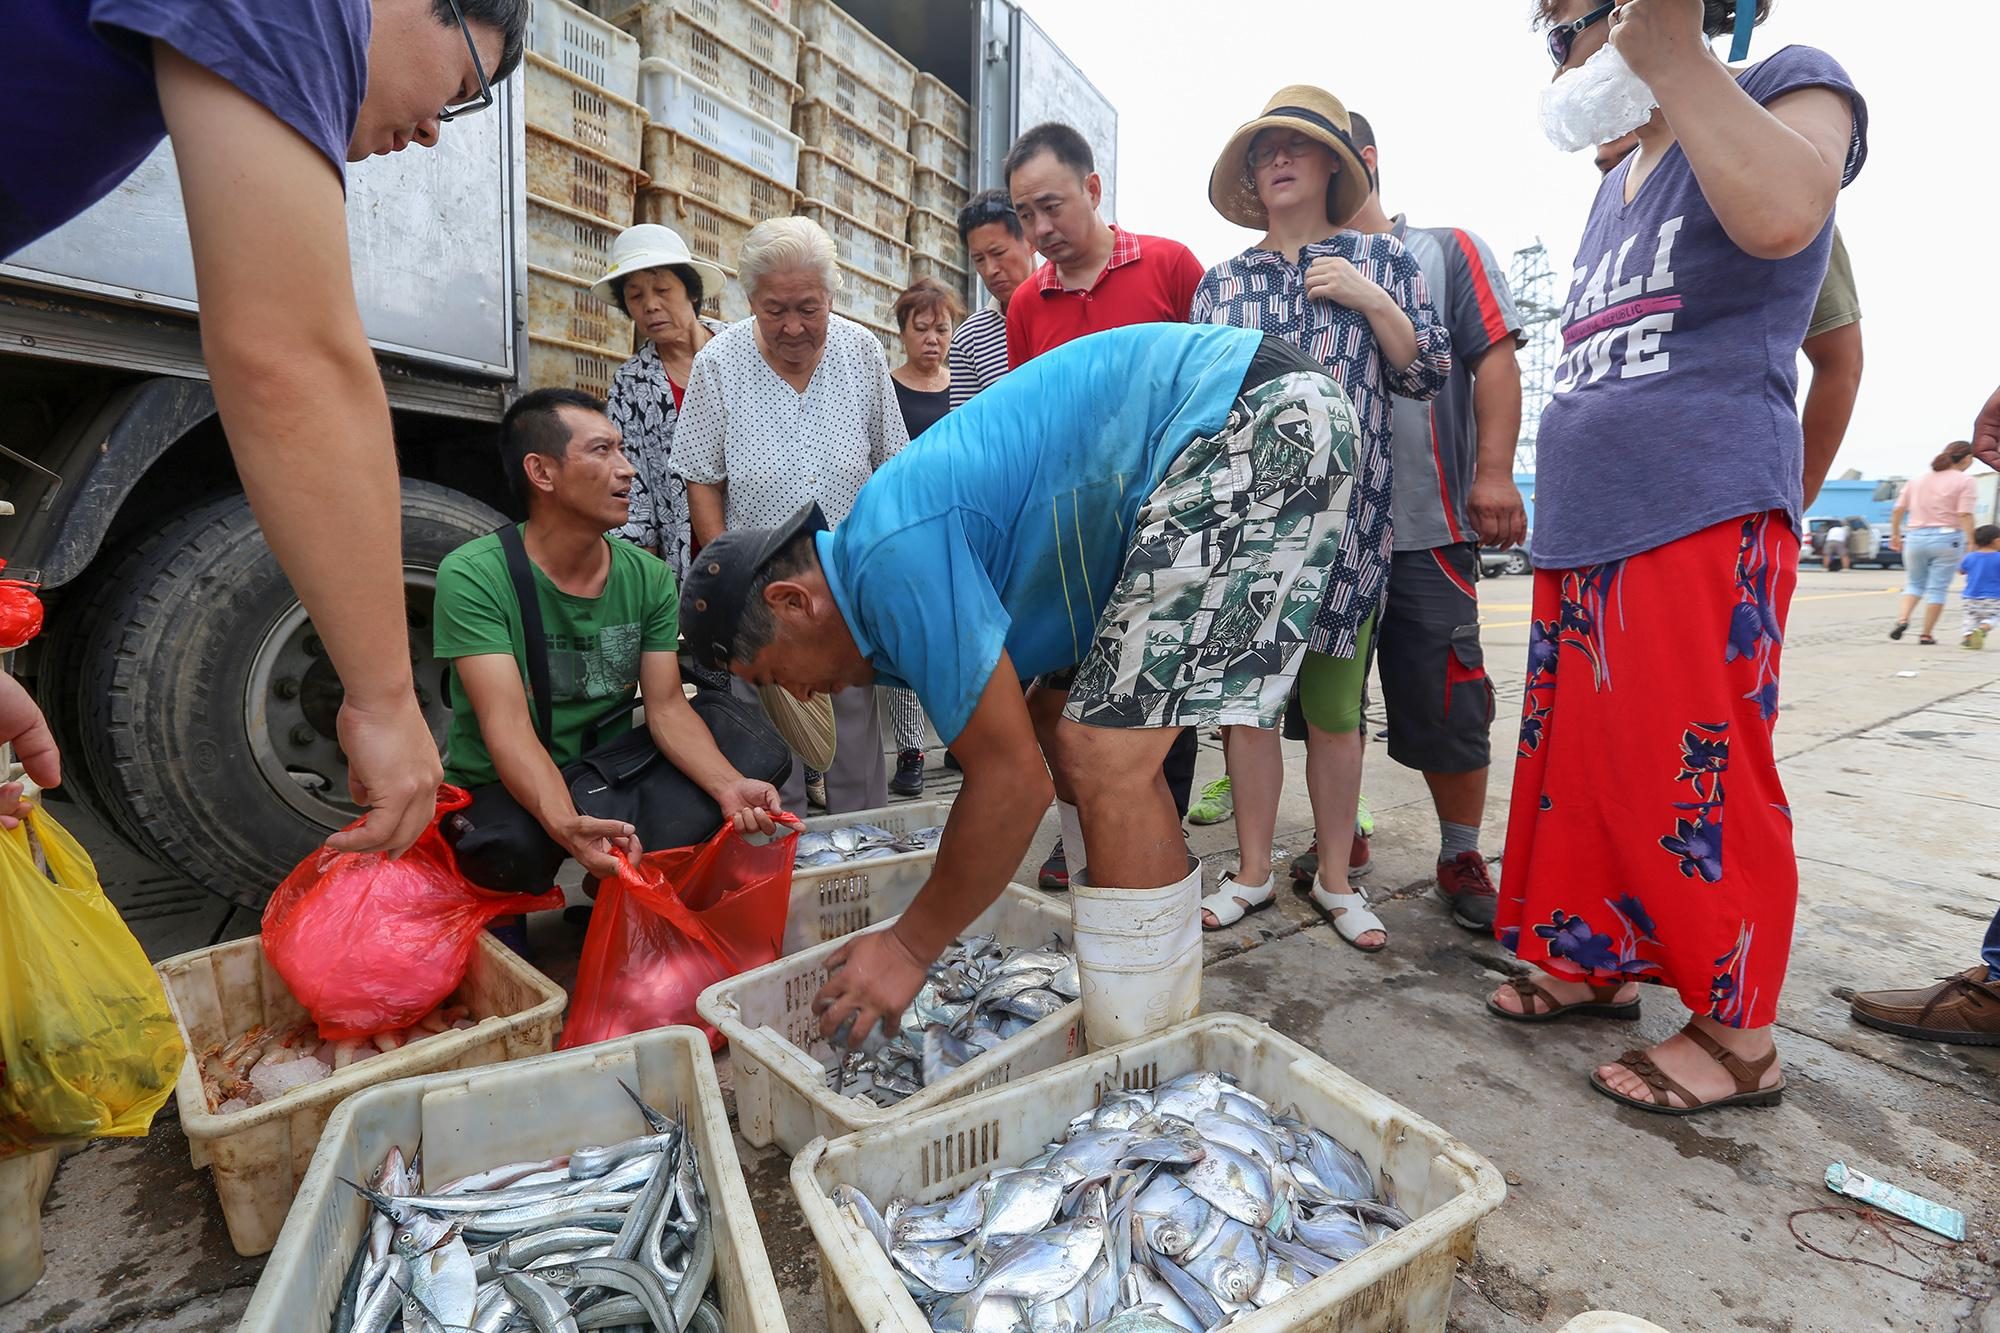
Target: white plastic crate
577	175
567	241
587	46
940	193
759	31
711	232
867	299
556	364
829	26
875	253
823	77
840	136
830	180
678	101
689	166
930	266
942	107
582	111
535	1109
829	902
564	307
1401	1285
936	235
947	156
672	35
781	1092
258	1157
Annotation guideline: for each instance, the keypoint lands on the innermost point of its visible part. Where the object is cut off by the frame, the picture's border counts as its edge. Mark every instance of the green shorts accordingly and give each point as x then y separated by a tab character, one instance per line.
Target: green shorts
1330	687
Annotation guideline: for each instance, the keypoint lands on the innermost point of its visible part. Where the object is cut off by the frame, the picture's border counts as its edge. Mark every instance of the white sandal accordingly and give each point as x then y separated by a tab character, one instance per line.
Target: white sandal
1233	900
1349	916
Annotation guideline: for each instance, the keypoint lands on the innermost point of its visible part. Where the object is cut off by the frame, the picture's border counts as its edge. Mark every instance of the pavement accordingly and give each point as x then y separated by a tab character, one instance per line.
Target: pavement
1891	755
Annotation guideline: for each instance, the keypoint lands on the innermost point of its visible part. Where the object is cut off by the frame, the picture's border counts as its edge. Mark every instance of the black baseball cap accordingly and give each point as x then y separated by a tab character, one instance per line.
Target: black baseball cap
719	579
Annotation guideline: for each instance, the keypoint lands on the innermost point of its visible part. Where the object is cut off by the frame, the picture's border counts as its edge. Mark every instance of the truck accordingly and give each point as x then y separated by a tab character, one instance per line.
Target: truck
193	702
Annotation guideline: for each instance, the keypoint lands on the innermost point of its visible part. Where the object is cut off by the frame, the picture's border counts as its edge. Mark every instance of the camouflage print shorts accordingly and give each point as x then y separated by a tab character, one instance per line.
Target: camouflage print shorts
1208	622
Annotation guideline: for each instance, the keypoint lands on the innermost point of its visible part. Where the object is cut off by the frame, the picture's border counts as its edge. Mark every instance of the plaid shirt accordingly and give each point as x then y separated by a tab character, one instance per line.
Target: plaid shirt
1261	289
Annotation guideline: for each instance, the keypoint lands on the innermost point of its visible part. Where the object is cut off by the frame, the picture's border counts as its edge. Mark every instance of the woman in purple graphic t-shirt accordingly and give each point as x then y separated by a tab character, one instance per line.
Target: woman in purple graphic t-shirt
1668	495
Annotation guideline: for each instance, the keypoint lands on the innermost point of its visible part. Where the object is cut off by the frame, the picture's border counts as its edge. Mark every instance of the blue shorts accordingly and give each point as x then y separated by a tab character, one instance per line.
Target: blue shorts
1931	556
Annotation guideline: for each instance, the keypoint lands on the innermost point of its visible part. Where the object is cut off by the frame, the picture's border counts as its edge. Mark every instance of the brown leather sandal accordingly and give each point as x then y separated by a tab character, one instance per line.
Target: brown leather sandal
1599	1005
1747	1073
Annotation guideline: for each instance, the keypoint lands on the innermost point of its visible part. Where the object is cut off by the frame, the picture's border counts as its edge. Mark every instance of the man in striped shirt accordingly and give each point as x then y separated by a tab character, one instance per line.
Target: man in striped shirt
1454	488
1003	259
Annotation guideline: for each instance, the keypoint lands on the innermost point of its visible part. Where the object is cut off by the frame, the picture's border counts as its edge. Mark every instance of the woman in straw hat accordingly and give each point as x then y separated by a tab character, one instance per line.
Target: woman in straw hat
1357	304
660	285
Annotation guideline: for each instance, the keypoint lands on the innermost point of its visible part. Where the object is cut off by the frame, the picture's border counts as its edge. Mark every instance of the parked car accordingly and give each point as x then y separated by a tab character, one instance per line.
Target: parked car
1495	561
1865	546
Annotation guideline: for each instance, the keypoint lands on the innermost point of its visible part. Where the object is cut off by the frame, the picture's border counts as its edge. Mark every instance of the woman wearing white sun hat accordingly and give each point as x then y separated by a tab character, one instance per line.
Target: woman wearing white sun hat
656	281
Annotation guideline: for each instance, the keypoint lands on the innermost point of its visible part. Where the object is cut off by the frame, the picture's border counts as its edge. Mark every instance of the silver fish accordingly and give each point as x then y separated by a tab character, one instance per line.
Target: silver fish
1246	1138
1334	1232
1145	1289
1232	1266
1121	1110
1198	1299
863	1212
1067	1313
1039	1267
1338	1168
1147	1318
1235	1182
541	1302
1170	1215
441	1275
945	1266
1021	1203
946	1220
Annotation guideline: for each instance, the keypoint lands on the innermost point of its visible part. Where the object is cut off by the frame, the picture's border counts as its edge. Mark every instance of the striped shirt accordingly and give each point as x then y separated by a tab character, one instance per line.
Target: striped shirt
1261	289
978	353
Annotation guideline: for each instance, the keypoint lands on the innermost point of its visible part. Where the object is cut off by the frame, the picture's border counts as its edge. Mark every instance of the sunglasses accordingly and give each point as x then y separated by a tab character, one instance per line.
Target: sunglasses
485	97
1562	37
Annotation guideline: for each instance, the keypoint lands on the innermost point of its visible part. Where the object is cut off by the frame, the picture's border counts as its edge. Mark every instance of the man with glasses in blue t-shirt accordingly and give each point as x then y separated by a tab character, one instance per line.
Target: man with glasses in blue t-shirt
265	104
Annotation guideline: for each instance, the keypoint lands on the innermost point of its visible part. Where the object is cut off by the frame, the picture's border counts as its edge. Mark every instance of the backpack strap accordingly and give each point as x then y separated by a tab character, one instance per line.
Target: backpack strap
536	649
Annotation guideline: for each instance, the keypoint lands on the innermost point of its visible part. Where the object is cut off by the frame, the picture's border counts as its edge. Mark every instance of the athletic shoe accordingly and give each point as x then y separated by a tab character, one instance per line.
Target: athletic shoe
1364	819
1977	639
1897	632
909	779
1214	805
1466	885
1359	862
1055	870
815	789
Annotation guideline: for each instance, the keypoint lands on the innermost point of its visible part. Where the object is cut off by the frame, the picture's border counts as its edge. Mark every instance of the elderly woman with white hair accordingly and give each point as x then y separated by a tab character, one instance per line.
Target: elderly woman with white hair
791	407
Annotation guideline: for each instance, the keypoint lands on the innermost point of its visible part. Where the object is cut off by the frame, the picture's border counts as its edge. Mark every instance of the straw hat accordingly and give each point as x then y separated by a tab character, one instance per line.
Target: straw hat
806	727
1306	110
650	245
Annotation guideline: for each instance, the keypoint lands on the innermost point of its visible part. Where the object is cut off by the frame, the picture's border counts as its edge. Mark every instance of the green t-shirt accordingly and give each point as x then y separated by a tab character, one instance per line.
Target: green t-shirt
594	643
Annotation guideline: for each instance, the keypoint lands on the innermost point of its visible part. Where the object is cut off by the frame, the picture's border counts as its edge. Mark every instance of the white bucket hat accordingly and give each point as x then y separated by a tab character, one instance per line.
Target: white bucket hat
651	245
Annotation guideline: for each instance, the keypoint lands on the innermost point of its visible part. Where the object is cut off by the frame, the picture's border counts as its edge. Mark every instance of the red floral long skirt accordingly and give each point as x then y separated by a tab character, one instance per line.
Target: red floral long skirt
1649	837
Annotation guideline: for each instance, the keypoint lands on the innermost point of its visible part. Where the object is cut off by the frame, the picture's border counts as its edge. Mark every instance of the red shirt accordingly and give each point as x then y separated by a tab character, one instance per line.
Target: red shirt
1148	280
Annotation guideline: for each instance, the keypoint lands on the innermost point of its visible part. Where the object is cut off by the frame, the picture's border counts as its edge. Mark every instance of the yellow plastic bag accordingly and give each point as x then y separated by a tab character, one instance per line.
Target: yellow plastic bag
88	1047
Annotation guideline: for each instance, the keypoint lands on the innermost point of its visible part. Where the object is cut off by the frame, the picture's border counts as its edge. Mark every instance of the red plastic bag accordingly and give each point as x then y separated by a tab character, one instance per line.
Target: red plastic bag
675	924
367	944
20	612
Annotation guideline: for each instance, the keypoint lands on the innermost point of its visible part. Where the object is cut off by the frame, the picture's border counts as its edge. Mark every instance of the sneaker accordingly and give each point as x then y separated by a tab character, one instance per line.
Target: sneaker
1964	1010
1466	885
815	789
909	779
1214	805
1306	864
1977	639
1055	871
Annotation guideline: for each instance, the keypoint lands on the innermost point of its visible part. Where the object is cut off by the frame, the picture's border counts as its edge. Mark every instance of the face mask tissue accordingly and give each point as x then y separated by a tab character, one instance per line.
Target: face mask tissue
1597	102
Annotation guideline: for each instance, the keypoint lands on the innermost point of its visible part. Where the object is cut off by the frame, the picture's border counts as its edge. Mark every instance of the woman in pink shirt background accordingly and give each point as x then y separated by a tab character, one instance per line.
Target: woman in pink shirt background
1935	510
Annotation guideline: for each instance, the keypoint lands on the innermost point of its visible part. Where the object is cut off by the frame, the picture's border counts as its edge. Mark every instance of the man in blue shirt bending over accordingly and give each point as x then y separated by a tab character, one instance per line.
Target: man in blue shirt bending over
1156	506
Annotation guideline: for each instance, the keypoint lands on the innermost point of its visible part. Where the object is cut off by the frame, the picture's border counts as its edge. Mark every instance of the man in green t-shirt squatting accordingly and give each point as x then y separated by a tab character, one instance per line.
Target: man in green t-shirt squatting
610	614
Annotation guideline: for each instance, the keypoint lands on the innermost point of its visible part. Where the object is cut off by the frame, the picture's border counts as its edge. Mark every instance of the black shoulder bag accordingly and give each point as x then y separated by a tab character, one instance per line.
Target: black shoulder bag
499	845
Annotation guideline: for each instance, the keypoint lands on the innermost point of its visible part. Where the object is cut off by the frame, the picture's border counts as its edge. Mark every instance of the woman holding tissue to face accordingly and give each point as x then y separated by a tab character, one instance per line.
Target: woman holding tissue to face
1649	837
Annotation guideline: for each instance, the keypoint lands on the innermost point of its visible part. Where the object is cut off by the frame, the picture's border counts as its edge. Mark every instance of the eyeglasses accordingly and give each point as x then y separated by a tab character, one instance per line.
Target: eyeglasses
1562	37
1266	150
485	98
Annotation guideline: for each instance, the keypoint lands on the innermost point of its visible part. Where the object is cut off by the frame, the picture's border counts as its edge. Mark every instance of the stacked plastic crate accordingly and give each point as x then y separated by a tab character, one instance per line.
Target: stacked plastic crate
939	144
854	170
718	81
583	145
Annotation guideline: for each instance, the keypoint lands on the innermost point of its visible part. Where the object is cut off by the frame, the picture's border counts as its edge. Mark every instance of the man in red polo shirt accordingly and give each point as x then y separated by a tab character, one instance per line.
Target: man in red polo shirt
1098	276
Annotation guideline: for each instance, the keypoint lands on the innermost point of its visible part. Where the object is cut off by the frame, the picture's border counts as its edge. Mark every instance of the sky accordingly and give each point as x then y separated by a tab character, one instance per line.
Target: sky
1452	89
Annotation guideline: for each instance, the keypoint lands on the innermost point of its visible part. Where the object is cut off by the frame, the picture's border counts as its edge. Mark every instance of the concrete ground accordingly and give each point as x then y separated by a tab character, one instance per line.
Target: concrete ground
1892	760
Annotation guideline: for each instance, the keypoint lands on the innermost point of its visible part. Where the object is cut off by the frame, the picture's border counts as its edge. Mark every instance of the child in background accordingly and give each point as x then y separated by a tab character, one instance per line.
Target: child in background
1981	568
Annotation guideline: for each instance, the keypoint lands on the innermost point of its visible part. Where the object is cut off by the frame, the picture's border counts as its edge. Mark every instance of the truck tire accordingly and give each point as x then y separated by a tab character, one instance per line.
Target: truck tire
204	705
